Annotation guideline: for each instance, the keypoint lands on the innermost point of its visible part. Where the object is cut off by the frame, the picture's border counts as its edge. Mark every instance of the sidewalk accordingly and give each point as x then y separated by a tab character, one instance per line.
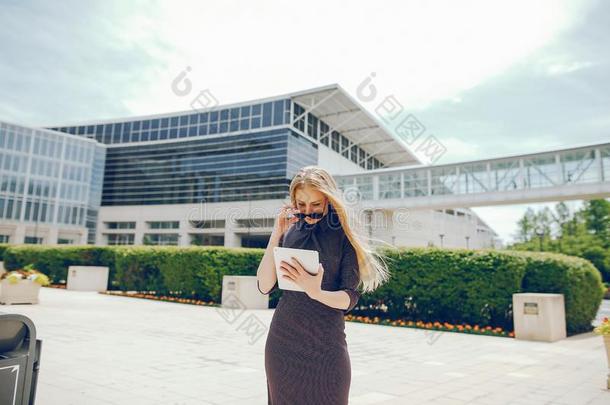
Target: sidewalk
99	349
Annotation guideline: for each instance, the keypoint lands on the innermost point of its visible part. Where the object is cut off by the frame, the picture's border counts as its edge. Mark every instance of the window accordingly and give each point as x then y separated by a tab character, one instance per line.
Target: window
278	112
207	240
163	224
161	239
234	113
267	114
255	223
120	225
37	240
121	239
203	224
344	146
324	135
224	115
335	141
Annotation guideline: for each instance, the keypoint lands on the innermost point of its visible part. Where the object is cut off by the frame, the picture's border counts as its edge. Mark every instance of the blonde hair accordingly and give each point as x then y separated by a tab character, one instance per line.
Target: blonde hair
373	269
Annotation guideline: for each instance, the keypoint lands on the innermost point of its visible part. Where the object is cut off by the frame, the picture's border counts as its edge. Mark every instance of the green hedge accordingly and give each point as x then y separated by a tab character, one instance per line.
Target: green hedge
193	272
55	260
476	287
3	247
427	284
455	286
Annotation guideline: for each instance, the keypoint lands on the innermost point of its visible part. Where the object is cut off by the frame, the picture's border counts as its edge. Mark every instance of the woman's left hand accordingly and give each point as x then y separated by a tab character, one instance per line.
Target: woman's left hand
295	272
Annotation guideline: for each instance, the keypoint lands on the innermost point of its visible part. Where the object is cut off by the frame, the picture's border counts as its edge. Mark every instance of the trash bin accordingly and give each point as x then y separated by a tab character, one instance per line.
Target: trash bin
19	360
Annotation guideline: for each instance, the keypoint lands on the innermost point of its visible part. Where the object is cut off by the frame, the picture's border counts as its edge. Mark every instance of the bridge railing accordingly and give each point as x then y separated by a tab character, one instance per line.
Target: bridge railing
584	165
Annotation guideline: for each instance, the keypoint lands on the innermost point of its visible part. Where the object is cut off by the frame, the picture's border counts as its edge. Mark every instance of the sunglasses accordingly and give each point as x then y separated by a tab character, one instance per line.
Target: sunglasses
313	215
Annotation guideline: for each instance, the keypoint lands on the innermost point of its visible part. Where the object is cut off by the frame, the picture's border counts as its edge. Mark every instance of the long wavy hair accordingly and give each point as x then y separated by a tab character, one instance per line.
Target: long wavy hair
372	267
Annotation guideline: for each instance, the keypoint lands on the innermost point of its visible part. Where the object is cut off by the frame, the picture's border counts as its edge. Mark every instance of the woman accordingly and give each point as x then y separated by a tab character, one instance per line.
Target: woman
306	357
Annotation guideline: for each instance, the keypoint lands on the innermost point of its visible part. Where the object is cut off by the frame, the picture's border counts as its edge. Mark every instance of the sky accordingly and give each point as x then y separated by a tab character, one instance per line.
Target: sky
486	78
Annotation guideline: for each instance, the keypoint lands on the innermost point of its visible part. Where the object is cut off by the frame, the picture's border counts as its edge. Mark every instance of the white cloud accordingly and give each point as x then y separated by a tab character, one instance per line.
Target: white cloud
563	68
421	51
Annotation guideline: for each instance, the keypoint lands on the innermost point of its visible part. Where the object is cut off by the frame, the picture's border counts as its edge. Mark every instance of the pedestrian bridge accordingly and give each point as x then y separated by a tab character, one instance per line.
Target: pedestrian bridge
567	174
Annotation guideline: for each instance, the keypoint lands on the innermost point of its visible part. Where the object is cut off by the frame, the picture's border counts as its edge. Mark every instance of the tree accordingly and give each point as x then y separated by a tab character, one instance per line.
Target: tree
597	218
544	220
584	233
526	225
562	217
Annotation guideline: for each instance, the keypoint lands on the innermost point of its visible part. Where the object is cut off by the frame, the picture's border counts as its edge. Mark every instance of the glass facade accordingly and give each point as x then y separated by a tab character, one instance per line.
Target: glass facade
255	165
49	178
214	122
231	120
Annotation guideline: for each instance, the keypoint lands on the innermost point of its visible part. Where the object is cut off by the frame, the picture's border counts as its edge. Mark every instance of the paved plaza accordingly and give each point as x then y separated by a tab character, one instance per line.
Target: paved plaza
100	349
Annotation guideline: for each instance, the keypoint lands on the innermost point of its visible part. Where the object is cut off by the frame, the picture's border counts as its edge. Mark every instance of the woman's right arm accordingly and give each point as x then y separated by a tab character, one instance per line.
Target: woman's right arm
265	275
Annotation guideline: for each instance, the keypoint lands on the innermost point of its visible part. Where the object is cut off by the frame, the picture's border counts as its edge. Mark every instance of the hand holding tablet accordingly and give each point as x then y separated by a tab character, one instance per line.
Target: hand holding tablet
309	259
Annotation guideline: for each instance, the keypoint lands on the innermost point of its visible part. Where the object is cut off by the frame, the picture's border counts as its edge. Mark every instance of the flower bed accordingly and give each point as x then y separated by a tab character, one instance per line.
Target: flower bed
60	286
156	297
437	326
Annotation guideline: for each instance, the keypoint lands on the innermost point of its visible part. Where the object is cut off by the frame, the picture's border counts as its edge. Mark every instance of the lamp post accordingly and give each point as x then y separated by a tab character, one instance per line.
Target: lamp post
441	235
467	240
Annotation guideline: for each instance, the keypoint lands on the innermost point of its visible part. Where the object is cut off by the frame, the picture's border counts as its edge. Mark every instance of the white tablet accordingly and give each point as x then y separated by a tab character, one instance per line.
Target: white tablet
308	258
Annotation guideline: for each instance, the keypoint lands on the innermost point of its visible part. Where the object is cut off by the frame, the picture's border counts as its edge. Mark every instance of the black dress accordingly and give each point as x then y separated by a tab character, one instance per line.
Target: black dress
306	356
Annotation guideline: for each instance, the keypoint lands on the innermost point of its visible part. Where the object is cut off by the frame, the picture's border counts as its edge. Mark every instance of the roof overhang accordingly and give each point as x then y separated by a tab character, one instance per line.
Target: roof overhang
333	105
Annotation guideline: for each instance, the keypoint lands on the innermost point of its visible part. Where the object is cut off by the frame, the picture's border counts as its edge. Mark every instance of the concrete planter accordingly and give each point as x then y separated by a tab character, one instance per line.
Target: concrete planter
22	292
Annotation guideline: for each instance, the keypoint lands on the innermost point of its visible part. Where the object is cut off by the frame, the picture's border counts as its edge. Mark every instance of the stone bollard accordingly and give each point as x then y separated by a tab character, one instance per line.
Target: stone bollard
539	316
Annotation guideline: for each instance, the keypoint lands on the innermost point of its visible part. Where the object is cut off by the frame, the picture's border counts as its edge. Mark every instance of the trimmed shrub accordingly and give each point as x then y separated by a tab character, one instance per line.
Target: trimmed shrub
449	285
55	260
427	284
577	279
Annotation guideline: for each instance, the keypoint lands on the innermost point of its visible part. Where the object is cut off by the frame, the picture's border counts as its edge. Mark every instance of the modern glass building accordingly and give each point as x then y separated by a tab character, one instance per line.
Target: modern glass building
248	151
213	176
50	186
